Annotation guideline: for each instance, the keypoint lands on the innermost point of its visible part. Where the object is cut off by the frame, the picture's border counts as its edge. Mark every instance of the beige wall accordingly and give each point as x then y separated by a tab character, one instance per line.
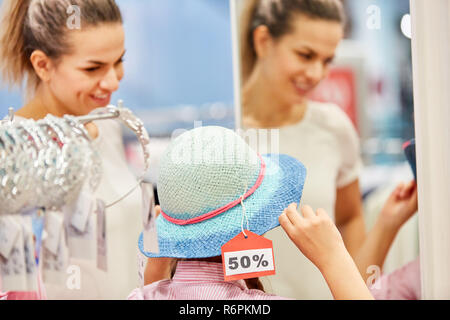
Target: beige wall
431	69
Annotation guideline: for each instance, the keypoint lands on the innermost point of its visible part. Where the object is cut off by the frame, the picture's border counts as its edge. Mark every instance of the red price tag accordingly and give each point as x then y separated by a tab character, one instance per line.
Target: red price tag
245	258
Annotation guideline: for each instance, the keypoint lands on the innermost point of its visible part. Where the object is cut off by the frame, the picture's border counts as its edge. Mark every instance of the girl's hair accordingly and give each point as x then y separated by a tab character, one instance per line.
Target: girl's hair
277	15
29	25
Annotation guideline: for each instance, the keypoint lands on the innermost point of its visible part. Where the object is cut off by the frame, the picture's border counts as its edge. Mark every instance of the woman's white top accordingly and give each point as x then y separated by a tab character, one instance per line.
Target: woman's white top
326	142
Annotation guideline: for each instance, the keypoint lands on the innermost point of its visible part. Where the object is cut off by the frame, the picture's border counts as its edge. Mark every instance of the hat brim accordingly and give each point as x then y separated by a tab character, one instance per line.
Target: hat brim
282	185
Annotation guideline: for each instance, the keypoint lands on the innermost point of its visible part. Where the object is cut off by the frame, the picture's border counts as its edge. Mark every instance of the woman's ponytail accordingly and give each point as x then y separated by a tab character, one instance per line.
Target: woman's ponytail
14	63
247	53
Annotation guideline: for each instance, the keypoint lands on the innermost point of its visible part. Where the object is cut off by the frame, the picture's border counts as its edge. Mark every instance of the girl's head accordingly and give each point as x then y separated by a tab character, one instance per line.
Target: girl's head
212	185
72	49
290	43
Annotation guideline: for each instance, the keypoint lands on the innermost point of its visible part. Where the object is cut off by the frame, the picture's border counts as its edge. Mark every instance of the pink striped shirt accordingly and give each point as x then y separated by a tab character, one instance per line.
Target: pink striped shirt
402	284
40	294
199	280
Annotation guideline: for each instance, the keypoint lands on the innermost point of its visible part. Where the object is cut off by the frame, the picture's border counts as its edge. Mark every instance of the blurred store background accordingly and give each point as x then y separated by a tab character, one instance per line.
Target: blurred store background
179	69
379	35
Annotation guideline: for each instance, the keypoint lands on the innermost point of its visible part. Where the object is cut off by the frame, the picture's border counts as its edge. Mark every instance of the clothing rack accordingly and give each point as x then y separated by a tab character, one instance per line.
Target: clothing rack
27	139
82	119
49	171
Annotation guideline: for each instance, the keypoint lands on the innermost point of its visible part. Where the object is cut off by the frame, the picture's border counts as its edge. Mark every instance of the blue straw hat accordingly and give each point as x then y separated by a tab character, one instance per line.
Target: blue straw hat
212	185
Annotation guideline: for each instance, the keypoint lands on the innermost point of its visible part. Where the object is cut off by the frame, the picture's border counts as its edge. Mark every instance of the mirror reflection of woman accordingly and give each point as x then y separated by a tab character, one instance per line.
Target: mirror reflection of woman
287	48
74	71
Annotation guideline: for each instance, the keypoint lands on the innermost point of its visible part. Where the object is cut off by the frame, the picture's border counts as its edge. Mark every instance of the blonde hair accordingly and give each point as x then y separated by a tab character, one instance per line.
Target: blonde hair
277	15
29	25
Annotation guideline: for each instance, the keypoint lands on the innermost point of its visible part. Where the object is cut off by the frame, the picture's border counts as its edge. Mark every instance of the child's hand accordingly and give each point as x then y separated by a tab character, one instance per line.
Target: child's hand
320	241
314	234
400	206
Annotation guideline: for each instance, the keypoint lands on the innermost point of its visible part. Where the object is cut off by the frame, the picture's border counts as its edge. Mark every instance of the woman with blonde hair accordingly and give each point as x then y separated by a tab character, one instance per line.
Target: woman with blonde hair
69	55
287	47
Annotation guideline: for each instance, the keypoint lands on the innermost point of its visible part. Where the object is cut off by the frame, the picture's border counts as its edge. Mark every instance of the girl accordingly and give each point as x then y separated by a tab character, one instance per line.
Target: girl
287	47
208	200
311	234
71	63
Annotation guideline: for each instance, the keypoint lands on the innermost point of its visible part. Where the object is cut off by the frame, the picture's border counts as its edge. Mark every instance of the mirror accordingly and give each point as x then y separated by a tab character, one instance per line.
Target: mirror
343	105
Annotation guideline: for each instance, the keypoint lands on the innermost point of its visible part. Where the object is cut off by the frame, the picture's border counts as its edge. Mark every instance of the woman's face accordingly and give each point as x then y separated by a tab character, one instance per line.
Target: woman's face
86	78
296	62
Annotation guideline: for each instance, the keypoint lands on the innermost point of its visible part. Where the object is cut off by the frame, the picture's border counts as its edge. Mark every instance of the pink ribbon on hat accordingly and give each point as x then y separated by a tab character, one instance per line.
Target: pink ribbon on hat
230	205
